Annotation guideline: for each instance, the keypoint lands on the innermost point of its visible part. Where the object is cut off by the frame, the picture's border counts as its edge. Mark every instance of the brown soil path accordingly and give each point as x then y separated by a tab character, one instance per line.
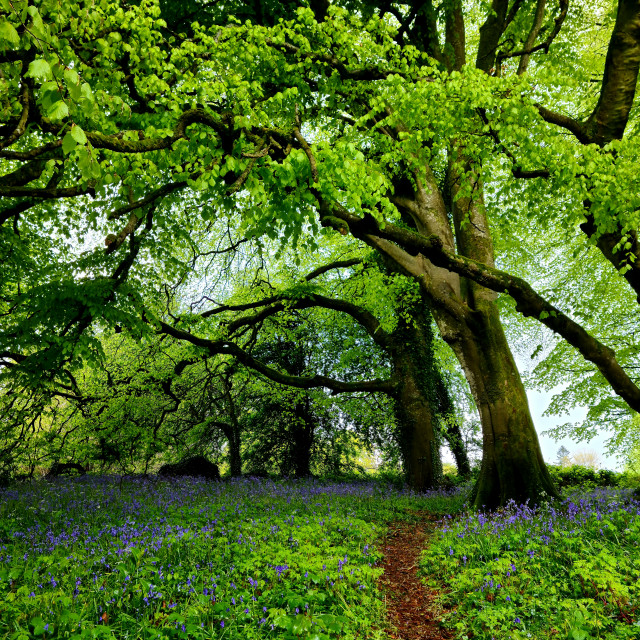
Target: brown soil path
411	607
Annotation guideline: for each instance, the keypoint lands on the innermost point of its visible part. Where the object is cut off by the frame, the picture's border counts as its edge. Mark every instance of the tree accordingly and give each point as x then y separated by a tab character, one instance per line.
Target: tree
423	407
563	457
372	123
587	458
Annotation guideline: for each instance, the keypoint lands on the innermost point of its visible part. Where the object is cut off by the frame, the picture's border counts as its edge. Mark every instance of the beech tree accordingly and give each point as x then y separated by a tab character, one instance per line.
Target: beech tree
403	125
424	411
398	325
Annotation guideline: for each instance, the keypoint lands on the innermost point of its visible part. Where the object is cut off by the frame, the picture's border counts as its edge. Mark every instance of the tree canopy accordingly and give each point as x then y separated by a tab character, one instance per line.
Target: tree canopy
424	133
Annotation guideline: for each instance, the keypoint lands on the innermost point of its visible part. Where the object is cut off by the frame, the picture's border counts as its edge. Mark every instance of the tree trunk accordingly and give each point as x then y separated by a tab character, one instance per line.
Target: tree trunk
512	464
416	399
418	444
468	319
303	434
452	434
450	427
235	460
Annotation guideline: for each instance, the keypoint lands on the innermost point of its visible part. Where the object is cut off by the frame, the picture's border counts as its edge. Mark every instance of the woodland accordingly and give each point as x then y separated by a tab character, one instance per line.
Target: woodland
313	252
283	236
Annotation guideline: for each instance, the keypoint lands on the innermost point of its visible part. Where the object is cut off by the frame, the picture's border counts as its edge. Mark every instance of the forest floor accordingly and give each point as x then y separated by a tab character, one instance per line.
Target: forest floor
412	609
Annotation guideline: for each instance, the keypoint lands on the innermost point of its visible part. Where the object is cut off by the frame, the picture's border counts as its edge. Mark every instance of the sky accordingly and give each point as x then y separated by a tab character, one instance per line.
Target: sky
538	402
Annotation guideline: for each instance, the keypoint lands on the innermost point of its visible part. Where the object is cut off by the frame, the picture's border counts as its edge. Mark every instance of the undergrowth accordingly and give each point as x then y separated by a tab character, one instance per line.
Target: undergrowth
568	570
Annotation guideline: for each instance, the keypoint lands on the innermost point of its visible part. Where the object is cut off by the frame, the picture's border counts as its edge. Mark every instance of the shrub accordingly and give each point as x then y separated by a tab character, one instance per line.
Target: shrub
578	476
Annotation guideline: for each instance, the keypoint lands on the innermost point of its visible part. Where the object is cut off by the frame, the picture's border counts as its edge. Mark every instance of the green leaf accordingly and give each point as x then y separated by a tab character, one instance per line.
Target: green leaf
78	134
9	34
39	68
71	77
68	143
58	111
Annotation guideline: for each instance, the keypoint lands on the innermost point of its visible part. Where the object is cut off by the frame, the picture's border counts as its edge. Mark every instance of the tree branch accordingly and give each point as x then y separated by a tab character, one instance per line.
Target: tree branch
363	317
566	122
22	122
528	301
24	174
529	47
300	382
610	116
35	192
161	192
338	264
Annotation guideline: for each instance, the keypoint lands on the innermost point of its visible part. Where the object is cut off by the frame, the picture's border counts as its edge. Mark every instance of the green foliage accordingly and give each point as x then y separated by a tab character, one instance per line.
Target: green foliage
138	558
578	476
568	571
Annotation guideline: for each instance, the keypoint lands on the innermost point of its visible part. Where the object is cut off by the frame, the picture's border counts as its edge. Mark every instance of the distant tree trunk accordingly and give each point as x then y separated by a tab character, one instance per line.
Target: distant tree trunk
234	430
232	434
450	428
235	459
453	436
303	433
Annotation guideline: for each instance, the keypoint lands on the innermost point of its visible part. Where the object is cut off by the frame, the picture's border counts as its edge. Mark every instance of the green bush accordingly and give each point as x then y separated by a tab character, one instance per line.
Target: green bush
578	476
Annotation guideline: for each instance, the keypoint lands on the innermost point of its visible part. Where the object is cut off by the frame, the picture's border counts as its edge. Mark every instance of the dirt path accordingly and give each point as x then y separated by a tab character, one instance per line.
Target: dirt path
411	607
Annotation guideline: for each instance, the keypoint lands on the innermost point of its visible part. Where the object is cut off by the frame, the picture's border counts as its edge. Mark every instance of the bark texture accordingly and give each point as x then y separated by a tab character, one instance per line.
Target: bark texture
414	414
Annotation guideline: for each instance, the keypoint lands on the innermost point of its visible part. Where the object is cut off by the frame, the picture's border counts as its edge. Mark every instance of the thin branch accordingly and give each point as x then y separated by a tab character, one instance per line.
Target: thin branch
529	47
339	264
565	122
531	38
161	192
22	123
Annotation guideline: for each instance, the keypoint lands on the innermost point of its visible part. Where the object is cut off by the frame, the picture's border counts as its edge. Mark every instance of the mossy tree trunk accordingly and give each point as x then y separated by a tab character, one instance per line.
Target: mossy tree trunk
302	434
450	426
512	464
418	442
410	347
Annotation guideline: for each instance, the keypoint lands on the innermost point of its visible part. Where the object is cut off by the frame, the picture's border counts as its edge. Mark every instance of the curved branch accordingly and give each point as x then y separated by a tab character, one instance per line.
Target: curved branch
338	264
22	123
528	301
566	122
609	118
24	174
33	153
35	192
363	317
300	382
161	192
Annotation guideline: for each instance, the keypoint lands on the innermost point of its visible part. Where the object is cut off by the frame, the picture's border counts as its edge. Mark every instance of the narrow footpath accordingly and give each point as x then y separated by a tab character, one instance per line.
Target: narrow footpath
411	607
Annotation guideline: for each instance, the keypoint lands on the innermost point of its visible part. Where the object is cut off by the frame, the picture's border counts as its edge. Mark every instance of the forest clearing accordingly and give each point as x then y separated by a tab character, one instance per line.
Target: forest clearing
109	557
298	299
